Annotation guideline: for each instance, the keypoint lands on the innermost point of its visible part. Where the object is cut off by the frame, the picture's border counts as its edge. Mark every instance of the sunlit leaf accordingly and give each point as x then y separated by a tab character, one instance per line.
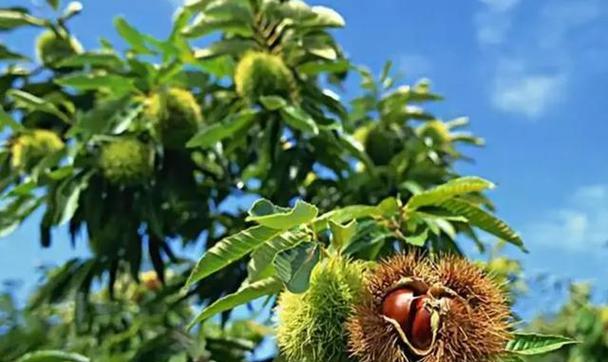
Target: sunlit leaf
266	214
245	294
482	219
12	18
418	239
229	250
94	81
53	356
134	38
341	235
450	189
533	344
105	60
33	103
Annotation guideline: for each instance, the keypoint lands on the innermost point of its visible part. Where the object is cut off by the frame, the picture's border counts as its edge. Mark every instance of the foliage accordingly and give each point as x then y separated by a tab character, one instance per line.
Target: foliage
134	322
580	320
146	148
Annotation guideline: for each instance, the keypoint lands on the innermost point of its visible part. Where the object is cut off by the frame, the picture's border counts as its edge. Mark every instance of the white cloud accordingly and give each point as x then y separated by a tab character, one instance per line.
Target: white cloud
414	65
545	43
582	224
519	90
494	20
500	5
562	17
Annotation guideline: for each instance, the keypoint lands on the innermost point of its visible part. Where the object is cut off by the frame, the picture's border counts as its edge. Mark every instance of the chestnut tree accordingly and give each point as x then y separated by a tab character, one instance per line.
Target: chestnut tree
139	153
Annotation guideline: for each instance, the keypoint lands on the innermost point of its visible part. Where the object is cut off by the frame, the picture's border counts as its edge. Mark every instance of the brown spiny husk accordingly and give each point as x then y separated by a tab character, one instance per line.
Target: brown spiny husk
474	328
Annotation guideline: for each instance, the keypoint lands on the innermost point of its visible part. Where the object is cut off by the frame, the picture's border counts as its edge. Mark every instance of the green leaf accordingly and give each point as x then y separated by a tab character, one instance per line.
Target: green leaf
216	132
316	67
74	8
229	250
341	235
295	265
346	214
94	81
357	150
232	47
533	344
298	119
32	103
245	294
418	239
197	5
266	214
260	265
205	25
450	189
53	3
7	54
326	17
105	60
67	197
389	207
273	103
11	19
107	116
482	219
7	121
53	356
133	37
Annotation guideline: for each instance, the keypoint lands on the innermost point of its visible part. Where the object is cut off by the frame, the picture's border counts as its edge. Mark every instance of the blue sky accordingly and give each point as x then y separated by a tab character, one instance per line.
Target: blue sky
531	75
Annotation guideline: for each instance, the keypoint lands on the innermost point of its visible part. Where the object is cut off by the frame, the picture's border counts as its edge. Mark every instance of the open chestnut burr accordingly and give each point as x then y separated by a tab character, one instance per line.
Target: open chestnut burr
415	309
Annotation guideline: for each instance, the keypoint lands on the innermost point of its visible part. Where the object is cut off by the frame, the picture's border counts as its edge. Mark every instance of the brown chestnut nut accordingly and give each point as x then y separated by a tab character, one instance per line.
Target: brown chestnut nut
421	333
397	306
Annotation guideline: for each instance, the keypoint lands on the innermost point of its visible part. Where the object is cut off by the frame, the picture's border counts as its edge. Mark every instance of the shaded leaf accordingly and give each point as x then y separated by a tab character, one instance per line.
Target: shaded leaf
260	264
298	119
294	266
7	54
53	3
7	121
216	132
